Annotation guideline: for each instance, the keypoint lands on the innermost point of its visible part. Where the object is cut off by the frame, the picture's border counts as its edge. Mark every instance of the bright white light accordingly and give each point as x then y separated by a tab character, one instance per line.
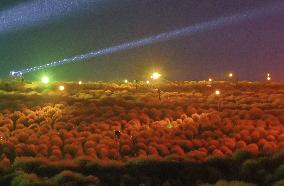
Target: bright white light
268	78
268	74
156	75
230	74
147	82
126	81
210	79
61	87
45	80
217	92
80	82
16	74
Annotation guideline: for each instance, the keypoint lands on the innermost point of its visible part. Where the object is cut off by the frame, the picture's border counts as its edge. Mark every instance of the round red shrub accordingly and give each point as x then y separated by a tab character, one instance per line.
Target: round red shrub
255	135
211	148
91	152
43	149
230	143
113	154
197	154
89	144
103	153
68	156
270	138
56	140
141	145
252	148
141	153
125	150
163	150
280	138
281	145
218	153
152	151
226	150
197	143
241	145
177	150
57	153
213	142
268	147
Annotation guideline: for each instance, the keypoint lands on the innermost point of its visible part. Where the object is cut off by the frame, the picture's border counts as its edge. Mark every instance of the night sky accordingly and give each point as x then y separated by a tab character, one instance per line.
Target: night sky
250	49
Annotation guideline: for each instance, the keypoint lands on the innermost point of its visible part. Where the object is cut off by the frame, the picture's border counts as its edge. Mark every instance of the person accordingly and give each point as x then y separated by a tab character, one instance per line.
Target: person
117	134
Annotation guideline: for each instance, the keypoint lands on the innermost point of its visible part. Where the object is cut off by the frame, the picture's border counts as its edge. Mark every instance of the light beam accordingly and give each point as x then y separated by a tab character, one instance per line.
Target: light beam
166	36
36	12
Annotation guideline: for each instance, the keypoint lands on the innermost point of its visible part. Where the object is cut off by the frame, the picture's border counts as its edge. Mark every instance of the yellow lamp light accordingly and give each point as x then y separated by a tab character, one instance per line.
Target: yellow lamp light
156	75
61	87
217	92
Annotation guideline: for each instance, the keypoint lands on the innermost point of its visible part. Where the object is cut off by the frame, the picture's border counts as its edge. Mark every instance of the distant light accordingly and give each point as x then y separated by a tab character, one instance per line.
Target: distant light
210	79
45	80
147	81
268	78
217	92
231	74
16	74
61	87
80	82
169	126
156	75
126	81
2	139
268	74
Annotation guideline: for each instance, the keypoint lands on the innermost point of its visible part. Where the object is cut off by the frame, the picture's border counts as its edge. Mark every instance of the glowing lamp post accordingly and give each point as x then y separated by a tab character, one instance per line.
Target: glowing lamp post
45	80
217	93
156	76
268	77
61	88
233	79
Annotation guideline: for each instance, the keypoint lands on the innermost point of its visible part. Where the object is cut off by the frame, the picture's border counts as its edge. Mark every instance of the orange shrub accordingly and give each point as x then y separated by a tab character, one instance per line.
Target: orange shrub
252	148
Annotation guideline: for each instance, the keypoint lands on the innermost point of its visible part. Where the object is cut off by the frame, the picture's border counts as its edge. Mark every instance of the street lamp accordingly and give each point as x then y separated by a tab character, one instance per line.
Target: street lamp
156	75
45	79
268	77
61	87
217	93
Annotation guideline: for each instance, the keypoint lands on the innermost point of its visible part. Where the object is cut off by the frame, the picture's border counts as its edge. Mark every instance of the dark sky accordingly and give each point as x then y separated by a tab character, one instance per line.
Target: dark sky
249	49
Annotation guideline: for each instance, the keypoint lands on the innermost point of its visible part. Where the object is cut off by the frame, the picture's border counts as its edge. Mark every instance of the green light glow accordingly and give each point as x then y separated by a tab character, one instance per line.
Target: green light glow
45	79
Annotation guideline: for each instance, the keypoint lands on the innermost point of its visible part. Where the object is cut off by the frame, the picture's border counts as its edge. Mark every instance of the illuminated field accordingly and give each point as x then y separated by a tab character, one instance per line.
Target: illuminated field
120	126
